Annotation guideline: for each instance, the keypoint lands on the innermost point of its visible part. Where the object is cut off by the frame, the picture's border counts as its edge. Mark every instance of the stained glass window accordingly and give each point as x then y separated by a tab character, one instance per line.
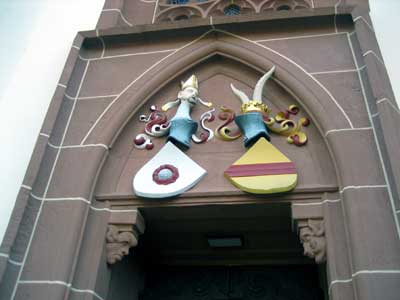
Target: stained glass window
177	1
232	10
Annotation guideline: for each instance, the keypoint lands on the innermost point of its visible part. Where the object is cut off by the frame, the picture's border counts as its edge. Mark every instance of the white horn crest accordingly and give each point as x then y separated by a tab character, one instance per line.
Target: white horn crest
242	96
257	94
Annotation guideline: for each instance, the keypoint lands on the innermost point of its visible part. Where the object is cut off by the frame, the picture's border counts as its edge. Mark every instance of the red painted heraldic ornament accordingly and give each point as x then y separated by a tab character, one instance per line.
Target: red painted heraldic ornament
263	169
165	174
171	172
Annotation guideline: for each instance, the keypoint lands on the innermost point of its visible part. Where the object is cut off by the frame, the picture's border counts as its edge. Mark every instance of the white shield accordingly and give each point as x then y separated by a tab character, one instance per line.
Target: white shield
169	173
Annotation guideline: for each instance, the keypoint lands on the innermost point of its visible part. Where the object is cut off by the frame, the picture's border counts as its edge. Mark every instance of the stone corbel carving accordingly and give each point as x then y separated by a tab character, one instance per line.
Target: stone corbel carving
122	234
308	223
119	240
312	236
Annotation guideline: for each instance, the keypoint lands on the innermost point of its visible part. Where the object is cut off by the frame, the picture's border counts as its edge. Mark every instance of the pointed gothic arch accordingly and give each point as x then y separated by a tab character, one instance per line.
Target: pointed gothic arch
78	235
312	93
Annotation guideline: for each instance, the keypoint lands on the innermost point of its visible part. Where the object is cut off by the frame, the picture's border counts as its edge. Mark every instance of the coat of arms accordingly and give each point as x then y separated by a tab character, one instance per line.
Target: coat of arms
263	169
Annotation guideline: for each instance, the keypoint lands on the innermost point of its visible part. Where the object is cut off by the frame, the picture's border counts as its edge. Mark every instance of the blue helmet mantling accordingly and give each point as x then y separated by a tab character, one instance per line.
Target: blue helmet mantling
252	126
181	131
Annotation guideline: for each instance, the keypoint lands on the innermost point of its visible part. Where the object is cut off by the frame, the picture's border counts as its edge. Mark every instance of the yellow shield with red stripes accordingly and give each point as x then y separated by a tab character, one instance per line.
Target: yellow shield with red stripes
263	169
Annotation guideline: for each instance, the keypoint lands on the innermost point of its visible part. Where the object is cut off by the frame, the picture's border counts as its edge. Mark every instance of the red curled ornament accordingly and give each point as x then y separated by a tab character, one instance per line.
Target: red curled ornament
165	174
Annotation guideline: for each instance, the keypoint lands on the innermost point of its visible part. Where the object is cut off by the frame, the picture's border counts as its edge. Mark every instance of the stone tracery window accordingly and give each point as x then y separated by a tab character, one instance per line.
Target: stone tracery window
176	10
282	5
178	2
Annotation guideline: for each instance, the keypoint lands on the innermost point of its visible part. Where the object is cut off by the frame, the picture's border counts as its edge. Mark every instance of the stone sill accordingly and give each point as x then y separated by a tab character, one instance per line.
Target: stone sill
309	193
217	22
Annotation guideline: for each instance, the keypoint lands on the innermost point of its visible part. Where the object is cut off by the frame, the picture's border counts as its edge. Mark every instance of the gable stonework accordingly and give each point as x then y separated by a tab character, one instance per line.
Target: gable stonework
76	214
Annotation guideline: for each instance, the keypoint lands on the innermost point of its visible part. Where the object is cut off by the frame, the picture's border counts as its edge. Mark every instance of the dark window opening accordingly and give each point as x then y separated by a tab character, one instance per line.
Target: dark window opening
284	7
177	2
232	10
181	17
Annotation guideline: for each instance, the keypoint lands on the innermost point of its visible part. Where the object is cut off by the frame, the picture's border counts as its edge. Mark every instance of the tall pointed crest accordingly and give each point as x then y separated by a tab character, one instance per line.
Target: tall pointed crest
254	104
257	94
191	82
241	95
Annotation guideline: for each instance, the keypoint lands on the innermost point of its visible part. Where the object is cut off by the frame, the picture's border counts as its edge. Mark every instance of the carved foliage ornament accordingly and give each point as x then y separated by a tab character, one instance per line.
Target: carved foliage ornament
181	129
281	124
171	172
263	169
312	237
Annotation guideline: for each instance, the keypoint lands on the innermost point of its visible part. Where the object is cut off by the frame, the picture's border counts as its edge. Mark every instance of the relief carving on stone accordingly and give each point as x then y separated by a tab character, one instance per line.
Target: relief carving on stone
176	10
309	224
122	234
312	236
119	242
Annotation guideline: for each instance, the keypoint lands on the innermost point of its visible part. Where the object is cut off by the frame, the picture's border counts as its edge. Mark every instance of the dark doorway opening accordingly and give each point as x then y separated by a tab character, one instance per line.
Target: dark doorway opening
232	283
218	252
182	235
